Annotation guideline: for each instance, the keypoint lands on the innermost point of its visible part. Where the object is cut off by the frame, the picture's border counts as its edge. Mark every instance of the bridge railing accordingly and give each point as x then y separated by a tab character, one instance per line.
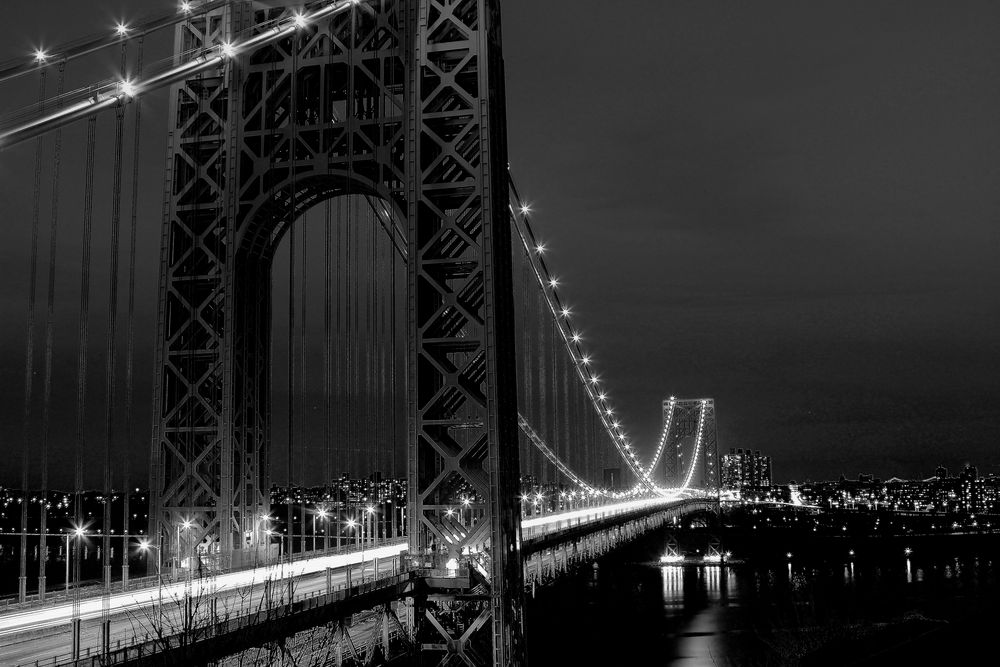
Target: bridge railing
95	588
149	644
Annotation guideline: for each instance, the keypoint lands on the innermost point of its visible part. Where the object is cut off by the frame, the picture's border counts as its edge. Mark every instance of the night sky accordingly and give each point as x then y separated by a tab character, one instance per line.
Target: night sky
790	207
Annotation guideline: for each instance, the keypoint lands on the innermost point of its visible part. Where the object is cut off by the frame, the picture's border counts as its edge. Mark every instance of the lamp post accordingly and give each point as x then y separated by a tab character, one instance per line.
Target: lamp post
177	563
323	514
373	517
78	533
145	546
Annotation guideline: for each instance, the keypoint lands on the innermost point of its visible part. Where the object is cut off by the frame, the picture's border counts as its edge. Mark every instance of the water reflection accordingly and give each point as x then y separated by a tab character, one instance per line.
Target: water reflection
766	612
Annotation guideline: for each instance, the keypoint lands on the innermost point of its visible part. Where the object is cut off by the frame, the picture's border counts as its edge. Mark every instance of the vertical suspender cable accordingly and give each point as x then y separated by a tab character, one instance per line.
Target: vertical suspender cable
303	379
328	117
567	441
82	358
291	301
353	251
49	344
527	398
369	338
338	380
29	352
112	349
327	361
543	350
130	326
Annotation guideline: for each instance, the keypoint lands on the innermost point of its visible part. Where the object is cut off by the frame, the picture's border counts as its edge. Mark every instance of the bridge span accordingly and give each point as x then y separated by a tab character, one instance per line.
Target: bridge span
220	614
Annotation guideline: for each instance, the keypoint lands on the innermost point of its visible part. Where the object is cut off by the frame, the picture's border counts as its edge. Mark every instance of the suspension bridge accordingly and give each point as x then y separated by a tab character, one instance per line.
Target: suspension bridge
350	292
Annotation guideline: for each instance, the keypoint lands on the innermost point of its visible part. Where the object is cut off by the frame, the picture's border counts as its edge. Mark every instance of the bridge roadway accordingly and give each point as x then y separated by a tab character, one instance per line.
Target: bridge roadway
43	634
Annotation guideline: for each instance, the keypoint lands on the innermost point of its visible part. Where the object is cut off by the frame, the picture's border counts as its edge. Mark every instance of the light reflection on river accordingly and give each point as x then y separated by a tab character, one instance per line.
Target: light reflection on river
791	611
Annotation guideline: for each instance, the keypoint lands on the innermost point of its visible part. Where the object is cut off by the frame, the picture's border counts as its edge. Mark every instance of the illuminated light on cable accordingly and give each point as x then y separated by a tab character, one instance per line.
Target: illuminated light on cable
299	20
602	396
577	338
127	88
79	532
540	248
228	49
187	524
565	312
525	209
615	424
121	29
553	282
351	523
585	359
610	412
186	7
594	379
40	56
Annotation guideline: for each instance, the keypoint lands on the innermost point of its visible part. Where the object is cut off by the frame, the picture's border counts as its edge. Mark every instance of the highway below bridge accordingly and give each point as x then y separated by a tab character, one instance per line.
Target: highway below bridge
208	618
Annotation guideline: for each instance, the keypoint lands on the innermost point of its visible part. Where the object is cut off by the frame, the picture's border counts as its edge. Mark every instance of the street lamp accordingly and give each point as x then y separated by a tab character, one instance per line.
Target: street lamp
352	524
373	518
145	546
186	524
77	532
323	514
466	505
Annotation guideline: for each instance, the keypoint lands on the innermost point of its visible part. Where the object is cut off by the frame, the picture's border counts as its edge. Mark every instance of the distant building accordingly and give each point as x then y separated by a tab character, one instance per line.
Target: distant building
745	469
969	490
941	472
612	478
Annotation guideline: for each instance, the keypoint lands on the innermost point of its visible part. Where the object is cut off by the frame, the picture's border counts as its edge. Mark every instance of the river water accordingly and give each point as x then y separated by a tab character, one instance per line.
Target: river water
939	604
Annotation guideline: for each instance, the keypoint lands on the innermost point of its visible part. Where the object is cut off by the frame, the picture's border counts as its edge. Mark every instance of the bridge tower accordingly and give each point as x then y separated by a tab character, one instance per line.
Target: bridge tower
691	434
397	100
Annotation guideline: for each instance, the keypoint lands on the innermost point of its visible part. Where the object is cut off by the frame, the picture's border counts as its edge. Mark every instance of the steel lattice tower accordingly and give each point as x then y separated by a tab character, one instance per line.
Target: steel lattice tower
402	100
692	433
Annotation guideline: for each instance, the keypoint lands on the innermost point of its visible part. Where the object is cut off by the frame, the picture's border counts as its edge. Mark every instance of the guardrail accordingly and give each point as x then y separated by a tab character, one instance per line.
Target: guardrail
152	645
95	588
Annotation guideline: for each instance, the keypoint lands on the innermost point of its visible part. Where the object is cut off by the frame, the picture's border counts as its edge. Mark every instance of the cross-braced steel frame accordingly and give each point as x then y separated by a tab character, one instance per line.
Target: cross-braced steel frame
692	430
402	100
